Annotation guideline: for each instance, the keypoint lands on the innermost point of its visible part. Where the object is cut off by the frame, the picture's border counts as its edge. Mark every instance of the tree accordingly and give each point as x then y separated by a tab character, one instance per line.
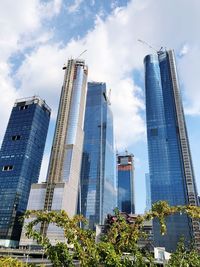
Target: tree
82	241
184	257
123	237
120	239
12	262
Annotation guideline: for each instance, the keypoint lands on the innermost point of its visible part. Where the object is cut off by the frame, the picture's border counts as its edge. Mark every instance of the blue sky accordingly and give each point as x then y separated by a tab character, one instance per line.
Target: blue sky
38	36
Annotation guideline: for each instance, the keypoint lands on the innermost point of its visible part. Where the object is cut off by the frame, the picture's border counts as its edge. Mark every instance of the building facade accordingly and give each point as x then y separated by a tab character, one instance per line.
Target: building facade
148	192
170	164
66	154
126	196
60	192
20	161
98	173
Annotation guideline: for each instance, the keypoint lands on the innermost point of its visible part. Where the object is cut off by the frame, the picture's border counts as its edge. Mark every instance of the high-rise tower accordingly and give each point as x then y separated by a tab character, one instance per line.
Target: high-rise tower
66	153
60	192
98	177
171	172
125	168
20	160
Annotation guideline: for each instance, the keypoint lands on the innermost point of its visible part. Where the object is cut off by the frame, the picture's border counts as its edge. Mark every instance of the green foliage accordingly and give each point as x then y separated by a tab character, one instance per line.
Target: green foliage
108	255
161	210
117	248
184	257
82	241
124	237
12	262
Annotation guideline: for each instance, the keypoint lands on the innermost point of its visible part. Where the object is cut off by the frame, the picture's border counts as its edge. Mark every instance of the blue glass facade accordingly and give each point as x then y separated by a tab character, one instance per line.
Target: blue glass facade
98	189
125	187
165	146
20	160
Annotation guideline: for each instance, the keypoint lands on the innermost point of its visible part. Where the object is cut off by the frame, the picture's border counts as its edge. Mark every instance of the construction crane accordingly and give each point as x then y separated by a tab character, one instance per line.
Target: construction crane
107	97
145	43
64	67
81	53
151	47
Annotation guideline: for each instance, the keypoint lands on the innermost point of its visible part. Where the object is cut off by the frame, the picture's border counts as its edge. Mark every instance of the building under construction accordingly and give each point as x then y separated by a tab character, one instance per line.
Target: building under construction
60	192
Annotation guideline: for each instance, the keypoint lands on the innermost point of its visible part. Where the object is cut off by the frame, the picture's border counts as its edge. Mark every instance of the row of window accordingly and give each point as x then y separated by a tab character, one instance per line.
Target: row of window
7	168
16	137
23	107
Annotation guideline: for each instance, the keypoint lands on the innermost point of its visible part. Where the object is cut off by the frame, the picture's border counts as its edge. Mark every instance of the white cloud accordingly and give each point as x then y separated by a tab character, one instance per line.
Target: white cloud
23	18
129	126
21	27
184	50
113	4
113	53
41	74
51	8
189	66
8	96
75	6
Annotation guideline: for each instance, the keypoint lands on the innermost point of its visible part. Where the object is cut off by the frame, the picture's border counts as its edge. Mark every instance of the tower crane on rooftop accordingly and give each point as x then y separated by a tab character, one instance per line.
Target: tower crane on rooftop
81	53
64	67
107	97
151	47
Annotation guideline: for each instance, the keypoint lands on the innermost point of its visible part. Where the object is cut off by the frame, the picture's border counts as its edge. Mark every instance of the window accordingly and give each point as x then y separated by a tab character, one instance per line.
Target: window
23	107
154	131
16	137
7	168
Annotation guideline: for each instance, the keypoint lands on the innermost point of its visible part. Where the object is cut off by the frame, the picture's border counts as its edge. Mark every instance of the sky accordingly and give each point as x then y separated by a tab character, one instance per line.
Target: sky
38	36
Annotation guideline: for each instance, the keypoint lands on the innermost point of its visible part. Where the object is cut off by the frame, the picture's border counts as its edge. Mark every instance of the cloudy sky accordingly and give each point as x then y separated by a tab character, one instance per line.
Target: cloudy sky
38	36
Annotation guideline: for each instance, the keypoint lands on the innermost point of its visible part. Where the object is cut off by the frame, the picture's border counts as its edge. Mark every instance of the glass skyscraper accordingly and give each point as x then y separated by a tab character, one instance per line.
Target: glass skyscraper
98	173
60	192
20	160
170	164
125	177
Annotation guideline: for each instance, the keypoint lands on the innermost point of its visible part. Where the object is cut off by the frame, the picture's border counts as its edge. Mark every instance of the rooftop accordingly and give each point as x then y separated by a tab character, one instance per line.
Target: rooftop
33	99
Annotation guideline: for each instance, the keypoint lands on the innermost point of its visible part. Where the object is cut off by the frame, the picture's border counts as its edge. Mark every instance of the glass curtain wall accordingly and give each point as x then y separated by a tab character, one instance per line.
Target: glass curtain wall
98	192
20	161
167	177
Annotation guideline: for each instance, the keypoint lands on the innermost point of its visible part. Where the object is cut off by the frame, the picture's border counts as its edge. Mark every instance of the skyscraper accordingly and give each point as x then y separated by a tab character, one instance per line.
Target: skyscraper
125	167
98	178
20	160
66	154
171	172
60	192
